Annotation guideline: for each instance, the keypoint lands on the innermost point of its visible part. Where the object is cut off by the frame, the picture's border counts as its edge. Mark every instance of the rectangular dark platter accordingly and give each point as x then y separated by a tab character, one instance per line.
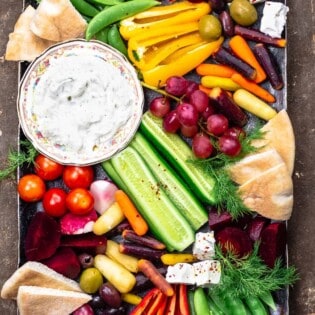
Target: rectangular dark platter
27	210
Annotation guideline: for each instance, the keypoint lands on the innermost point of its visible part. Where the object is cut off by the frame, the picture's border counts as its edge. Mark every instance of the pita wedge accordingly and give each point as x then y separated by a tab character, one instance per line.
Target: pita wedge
254	165
270	193
23	44
32	300
279	135
36	274
57	20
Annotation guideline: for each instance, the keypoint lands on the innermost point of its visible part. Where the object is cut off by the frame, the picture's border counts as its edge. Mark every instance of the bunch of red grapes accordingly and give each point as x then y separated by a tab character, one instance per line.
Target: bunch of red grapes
196	117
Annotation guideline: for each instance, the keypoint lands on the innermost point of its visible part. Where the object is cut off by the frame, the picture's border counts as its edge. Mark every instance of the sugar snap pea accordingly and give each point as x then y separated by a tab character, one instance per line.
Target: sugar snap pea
116	13
84	7
191	302
115	40
255	306
102	35
107	2
200	302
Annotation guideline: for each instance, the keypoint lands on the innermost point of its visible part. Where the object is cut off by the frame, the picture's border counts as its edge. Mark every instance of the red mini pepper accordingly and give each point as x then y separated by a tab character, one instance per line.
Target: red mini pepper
171	304
146	301
182	304
156	304
161	310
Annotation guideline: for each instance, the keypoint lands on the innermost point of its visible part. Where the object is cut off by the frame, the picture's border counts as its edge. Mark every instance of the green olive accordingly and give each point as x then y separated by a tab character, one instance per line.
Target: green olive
243	12
210	27
91	279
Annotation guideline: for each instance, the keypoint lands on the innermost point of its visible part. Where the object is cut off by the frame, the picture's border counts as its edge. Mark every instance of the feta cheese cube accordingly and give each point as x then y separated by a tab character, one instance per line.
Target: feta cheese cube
203	247
181	273
207	272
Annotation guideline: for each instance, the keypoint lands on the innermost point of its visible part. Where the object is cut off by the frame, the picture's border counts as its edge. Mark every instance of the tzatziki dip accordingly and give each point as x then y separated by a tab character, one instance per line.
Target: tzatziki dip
80	103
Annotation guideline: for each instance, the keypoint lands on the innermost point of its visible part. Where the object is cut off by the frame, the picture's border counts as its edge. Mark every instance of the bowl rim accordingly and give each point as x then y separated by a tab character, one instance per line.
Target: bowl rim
76	161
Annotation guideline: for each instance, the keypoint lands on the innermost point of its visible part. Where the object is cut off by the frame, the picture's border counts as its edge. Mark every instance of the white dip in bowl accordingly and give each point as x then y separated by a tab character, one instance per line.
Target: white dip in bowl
80	102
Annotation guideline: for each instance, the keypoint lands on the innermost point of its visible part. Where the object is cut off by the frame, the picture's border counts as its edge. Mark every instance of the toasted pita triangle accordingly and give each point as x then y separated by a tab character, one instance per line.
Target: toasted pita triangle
23	44
279	135
57	20
270	193
34	300
36	274
254	165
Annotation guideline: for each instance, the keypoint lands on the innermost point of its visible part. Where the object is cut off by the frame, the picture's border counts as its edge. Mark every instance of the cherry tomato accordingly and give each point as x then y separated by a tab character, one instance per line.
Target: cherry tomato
46	168
80	201
78	176
31	188
54	202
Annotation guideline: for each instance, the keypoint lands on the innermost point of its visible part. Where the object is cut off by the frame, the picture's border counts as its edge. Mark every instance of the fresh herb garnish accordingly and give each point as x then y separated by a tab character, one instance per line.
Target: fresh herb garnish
250	276
18	158
225	190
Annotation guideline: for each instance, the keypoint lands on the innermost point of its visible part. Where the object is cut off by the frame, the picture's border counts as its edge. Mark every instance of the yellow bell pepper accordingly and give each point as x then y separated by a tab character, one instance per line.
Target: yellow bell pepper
158	75
163	17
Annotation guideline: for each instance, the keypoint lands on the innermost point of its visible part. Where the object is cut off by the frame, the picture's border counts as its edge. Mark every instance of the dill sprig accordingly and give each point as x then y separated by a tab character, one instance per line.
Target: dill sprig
16	159
225	190
250	276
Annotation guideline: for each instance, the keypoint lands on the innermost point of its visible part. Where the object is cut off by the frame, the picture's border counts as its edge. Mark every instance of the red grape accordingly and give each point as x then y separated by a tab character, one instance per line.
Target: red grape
210	110
171	123
187	114
236	132
176	85
217	124
160	106
191	87
202	146
189	131
199	100
229	145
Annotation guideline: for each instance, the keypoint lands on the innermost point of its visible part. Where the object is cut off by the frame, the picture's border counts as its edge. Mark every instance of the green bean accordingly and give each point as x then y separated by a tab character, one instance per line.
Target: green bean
116	41
200	302
116	13
191	302
85	8
107	2
102	35
255	306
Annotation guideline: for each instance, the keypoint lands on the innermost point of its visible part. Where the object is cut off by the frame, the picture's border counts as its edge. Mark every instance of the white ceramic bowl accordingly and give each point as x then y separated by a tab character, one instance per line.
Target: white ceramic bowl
30	109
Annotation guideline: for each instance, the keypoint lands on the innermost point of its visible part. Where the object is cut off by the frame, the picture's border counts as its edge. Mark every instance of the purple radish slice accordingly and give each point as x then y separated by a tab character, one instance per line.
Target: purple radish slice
272	243
256	226
64	261
42	237
78	224
234	240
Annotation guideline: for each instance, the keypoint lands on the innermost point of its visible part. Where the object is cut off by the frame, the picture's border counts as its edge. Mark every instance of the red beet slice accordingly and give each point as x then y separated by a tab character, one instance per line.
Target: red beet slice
42	237
83	241
64	261
273	243
235	240
78	224
219	220
256	226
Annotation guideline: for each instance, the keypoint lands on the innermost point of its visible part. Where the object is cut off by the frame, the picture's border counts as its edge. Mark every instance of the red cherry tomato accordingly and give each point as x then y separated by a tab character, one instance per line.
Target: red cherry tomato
46	168
31	188
78	176
54	202
80	201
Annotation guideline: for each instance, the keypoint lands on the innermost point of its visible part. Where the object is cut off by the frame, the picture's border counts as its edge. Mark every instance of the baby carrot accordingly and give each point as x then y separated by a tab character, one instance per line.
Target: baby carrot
148	269
242	50
133	216
215	70
204	89
253	87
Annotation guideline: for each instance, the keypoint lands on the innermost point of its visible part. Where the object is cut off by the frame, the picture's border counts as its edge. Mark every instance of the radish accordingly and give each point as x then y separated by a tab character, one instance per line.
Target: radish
103	192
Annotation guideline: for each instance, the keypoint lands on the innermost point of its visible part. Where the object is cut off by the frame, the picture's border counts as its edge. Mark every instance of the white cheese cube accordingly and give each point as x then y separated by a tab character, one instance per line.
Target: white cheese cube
207	272
181	273
203	247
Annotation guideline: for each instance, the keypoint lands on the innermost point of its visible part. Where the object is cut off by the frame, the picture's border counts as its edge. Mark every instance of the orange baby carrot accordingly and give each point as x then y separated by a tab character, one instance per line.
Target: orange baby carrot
148	269
204	89
253	88
242	50
215	70
133	216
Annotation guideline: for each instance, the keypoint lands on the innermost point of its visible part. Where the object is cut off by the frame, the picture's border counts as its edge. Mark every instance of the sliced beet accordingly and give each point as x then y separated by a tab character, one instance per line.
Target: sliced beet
42	237
272	243
235	240
64	261
83	241
219	219
78	224
256	226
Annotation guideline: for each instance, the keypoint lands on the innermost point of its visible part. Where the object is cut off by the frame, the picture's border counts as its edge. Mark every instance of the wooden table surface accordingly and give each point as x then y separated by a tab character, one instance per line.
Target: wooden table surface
301	108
